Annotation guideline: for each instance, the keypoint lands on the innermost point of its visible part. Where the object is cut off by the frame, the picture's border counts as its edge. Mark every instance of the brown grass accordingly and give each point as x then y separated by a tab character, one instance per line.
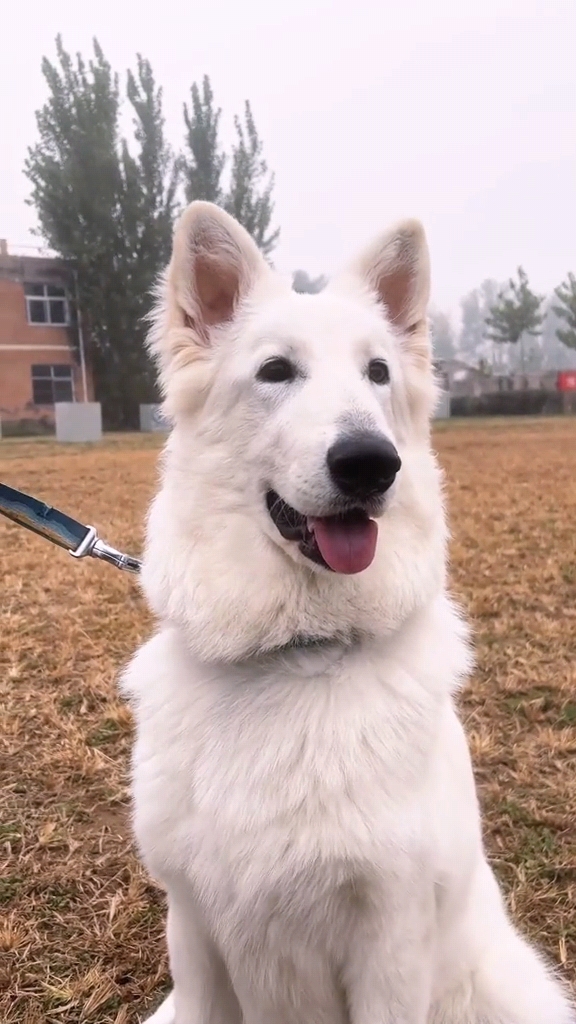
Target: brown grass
81	928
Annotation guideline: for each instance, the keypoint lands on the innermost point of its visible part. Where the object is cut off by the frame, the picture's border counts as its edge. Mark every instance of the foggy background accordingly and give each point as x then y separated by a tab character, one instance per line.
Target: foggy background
368	112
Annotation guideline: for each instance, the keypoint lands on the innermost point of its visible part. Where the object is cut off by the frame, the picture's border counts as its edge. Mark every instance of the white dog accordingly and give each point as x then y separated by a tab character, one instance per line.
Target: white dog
302	784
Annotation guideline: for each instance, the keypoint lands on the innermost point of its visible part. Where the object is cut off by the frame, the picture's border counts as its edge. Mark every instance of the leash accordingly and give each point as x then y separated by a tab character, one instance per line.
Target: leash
68	533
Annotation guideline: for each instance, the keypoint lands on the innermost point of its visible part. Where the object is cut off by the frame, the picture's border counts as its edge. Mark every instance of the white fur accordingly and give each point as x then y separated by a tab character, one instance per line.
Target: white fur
311	811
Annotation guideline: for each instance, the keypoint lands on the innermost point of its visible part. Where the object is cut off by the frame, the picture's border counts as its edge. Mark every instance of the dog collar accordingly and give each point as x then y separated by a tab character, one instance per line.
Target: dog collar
314	643
79	540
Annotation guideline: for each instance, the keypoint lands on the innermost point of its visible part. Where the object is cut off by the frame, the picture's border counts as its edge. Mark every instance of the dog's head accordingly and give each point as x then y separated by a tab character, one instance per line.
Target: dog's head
300	494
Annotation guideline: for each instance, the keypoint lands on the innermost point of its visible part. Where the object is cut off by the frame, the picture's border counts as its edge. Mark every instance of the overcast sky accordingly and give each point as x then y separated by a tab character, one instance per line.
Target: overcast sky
460	113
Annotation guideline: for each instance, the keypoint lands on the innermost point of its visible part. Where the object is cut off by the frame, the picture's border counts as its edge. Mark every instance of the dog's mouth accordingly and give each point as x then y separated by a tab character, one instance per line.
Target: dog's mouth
344	543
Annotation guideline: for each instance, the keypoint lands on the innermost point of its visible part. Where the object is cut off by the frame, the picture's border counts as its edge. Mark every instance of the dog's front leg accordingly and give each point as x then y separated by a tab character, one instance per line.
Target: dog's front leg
203	992
388	977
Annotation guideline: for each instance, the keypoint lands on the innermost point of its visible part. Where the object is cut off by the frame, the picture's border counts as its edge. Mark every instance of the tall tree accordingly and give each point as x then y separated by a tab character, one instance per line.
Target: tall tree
515	314
475	308
303	283
443	339
157	171
148	210
249	197
565	310
107	211
555	355
203	161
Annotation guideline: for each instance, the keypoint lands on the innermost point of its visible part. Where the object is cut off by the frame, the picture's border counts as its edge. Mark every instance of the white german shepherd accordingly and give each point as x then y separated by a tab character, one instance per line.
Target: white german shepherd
302	783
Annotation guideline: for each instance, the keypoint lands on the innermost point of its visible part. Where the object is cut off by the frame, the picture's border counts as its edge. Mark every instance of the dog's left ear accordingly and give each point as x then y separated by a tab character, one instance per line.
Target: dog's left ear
396	268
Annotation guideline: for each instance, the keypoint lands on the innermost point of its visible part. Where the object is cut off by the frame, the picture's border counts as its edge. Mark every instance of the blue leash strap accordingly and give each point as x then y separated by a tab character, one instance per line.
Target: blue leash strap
41	519
61	529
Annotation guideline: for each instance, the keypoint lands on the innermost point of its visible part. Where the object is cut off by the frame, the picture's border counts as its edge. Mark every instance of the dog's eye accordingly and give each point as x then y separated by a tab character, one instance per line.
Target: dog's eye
276	370
378	371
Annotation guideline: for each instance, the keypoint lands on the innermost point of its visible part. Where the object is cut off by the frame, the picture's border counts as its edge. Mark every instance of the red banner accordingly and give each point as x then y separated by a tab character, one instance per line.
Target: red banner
567	380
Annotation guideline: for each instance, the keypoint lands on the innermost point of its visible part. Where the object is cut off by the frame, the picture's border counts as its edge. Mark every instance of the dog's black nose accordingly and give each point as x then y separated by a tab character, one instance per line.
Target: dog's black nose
363	465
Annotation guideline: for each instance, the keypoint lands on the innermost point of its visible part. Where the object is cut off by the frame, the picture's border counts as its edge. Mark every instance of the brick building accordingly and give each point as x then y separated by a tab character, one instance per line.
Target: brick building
39	362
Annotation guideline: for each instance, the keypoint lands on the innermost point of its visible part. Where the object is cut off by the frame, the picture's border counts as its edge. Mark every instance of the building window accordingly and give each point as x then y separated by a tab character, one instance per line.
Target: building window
52	384
46	304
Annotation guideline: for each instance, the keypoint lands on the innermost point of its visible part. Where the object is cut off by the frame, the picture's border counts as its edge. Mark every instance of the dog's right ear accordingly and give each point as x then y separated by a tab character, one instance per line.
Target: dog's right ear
215	264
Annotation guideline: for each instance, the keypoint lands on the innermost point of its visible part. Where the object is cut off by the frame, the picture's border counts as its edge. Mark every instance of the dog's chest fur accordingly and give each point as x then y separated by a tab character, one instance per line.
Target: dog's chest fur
293	790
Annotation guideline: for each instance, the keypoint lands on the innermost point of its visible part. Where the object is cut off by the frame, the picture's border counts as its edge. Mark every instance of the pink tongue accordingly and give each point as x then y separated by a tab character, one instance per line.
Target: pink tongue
347	546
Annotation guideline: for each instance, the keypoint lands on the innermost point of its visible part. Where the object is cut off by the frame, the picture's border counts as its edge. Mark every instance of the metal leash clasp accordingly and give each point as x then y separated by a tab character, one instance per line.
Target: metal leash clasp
96	548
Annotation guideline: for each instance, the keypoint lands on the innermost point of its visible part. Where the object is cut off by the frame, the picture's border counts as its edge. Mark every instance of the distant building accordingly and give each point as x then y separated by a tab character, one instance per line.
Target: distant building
469	390
39	362
465	381
460	379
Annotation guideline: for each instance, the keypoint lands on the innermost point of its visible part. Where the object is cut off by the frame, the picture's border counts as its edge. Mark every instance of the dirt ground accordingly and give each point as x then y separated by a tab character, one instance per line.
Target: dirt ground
81	932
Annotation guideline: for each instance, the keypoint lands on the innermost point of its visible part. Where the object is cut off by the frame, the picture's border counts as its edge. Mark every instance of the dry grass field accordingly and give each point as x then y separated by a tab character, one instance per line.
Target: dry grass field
81	933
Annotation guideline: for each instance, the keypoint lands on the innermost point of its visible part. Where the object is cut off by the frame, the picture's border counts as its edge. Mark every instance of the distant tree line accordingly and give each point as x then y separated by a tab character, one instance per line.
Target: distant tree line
108	204
510	328
503	328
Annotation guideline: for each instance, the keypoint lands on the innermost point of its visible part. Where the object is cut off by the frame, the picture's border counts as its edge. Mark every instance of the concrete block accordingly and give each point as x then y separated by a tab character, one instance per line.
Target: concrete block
78	421
442	410
152	420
